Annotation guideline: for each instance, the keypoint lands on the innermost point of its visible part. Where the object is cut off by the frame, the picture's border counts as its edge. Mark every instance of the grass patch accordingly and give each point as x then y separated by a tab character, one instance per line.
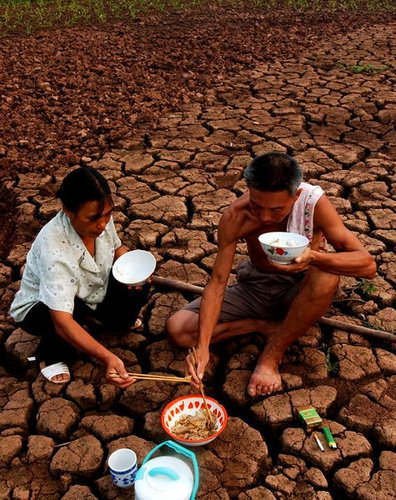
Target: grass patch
26	16
365	289
367	68
363	68
332	364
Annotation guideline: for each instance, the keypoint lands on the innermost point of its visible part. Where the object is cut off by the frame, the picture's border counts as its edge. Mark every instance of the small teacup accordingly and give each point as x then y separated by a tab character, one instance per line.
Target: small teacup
123	467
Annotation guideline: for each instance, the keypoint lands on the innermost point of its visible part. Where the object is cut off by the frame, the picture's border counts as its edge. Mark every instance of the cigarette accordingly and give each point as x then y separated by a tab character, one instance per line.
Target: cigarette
62	444
329	437
318	442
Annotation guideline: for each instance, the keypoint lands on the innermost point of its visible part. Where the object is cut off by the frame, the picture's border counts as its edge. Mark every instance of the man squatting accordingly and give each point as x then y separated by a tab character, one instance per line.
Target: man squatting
281	302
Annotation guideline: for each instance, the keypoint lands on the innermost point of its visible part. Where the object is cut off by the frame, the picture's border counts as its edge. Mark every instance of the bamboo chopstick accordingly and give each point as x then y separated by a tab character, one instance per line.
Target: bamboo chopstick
152	376
193	353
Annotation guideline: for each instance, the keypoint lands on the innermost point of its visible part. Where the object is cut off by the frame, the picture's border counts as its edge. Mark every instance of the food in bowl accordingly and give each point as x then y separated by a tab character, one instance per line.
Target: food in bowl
282	247
196	426
283	242
188	406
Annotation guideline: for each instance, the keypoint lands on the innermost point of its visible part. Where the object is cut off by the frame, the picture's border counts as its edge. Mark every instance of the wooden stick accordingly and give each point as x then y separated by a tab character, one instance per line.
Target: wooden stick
347	327
193	354
149	376
178	285
361	330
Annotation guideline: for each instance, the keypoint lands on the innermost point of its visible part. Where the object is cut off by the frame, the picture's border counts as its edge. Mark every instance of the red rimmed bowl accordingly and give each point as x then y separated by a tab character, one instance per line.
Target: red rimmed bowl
188	405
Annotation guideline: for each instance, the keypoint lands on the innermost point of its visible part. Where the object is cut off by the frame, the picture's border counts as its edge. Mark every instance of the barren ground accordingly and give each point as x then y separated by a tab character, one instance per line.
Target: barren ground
171	109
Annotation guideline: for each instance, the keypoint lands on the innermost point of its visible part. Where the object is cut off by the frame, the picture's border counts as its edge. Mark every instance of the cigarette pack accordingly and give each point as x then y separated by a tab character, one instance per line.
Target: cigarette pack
309	416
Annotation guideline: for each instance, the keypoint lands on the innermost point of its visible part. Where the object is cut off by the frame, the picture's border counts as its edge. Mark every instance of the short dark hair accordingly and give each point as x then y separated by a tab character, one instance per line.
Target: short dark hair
82	185
274	172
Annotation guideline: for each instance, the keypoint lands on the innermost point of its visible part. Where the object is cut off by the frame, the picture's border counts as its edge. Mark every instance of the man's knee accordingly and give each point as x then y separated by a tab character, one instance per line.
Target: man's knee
172	328
178	330
323	282
330	281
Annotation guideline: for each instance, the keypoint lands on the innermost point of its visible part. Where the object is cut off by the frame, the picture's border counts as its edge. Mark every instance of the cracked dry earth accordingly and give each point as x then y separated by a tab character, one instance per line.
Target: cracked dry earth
169	191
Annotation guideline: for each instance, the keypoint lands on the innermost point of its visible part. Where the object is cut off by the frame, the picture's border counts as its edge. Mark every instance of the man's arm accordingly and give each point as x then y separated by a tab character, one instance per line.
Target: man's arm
212	298
350	258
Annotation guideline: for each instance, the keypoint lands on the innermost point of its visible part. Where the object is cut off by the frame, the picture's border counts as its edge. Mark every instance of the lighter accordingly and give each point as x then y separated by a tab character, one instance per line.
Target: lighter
329	437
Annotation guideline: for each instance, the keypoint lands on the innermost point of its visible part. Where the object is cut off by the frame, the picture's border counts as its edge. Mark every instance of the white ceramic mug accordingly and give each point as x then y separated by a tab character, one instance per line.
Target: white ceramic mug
123	467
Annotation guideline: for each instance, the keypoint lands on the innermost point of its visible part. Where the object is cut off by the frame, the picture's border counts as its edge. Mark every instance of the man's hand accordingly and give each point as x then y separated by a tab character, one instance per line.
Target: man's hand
299	264
197	370
114	366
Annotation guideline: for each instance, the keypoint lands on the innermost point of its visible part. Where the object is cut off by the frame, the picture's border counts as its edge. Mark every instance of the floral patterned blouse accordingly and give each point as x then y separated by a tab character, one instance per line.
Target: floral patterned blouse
60	268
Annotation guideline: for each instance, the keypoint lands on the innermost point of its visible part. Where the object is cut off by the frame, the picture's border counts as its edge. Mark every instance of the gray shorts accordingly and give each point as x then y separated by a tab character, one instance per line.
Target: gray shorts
257	295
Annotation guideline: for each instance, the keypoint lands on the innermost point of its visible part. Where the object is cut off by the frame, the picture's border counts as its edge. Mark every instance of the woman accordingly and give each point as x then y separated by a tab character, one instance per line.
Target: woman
68	279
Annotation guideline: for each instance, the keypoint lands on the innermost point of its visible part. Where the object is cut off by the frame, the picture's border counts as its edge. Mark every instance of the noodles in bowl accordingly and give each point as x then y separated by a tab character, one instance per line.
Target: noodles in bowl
185	420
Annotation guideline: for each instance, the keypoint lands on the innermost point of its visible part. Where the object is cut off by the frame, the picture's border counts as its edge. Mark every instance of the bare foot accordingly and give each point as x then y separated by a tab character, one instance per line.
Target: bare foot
264	381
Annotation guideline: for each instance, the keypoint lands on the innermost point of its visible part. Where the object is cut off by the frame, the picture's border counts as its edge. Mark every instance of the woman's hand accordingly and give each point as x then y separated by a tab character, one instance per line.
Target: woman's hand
114	366
138	287
197	369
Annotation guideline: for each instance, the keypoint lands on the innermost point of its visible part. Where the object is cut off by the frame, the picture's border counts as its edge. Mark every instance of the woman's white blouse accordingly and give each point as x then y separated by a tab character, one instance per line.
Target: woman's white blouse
60	268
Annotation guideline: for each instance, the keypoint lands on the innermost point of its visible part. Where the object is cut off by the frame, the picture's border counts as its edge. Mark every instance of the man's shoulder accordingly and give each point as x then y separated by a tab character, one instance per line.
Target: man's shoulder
235	220
310	189
236	211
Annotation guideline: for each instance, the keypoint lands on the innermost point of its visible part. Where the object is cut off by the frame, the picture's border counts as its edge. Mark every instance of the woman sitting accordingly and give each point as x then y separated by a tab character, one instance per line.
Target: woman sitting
68	279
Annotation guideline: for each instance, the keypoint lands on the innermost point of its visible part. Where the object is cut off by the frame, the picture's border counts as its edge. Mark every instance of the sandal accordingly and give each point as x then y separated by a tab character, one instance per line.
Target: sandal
138	323
51	371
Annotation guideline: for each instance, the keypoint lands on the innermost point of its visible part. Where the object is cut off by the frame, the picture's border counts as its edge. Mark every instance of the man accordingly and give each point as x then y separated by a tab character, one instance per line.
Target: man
279	301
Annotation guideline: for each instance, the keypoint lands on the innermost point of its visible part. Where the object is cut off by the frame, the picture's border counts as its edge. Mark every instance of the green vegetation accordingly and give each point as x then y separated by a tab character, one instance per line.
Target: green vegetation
28	15
365	288
367	68
332	5
332	364
363	68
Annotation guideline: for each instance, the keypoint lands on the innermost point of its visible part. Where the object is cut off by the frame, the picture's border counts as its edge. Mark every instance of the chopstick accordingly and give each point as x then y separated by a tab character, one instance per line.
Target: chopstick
193	354
152	376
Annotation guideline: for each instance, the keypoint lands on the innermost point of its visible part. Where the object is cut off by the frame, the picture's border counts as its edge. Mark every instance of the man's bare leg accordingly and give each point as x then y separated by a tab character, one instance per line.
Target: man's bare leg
182	328
313	299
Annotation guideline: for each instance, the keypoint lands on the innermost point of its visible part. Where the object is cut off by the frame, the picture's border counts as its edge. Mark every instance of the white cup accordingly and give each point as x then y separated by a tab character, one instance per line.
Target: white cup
123	467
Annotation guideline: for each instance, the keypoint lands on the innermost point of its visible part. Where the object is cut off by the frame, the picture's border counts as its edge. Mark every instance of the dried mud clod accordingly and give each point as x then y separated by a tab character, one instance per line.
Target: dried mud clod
174	157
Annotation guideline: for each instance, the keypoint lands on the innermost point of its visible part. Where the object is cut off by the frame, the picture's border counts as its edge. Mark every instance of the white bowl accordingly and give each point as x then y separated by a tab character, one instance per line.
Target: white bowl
281	247
188	405
134	268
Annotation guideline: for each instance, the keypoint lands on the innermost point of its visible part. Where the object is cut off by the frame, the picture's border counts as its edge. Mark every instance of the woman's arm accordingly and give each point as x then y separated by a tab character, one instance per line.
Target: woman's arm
120	251
67	328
